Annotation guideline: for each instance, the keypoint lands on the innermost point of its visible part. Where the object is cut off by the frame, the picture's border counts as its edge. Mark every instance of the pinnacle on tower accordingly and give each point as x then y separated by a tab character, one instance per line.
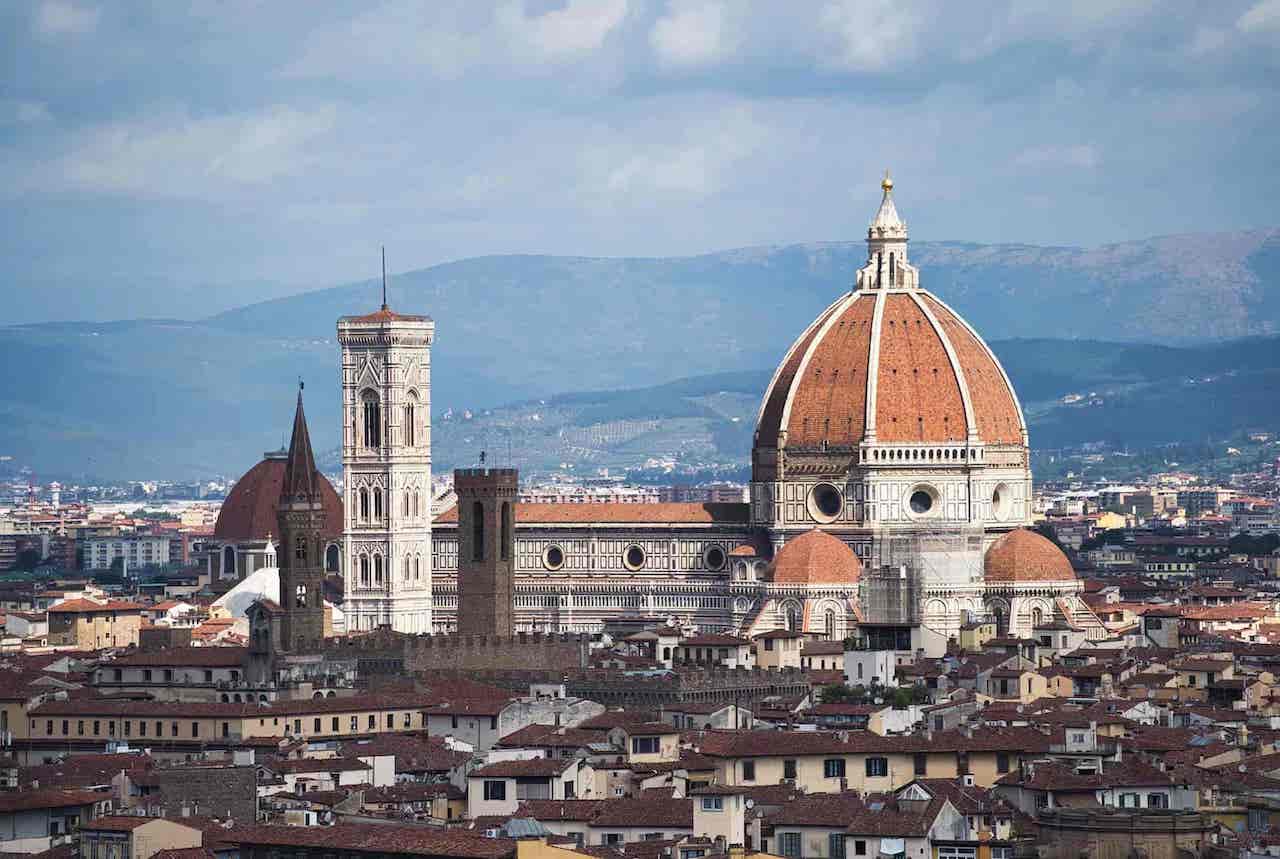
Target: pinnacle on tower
886	223
300	467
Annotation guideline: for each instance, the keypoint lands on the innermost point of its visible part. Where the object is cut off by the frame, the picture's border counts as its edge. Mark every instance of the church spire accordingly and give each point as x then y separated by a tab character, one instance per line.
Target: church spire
300	467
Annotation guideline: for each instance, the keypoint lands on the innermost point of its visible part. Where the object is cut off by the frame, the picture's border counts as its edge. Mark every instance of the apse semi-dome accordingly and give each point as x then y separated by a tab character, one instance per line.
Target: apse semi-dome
889	363
1025	556
249	513
816	558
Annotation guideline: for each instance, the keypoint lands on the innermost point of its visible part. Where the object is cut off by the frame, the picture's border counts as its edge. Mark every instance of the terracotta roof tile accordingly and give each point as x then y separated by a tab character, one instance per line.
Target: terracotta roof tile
816	557
1025	556
249	511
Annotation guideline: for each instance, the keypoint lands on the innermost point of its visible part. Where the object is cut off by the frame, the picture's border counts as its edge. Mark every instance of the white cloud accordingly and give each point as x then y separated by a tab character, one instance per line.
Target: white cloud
59	18
578	29
873	35
690	34
1262	16
201	158
1080	156
689	160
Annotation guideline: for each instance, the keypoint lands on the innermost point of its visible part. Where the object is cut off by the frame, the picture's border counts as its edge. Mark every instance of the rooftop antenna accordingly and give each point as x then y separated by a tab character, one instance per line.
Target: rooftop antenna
384	277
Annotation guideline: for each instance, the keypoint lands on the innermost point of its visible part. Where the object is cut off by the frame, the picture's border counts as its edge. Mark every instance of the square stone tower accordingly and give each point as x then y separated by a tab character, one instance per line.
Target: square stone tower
386	469
486	549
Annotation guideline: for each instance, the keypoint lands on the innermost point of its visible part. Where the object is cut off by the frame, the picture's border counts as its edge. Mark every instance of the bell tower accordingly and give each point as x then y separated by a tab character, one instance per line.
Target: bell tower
386	469
300	517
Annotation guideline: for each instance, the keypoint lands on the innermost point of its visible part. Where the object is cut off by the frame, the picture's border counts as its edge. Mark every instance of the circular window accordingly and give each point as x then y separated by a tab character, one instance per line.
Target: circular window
1000	502
922	502
633	557
825	502
714	558
553	557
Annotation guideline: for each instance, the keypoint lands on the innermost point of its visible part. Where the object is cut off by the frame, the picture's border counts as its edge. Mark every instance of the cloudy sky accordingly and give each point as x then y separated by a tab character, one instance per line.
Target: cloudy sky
174	159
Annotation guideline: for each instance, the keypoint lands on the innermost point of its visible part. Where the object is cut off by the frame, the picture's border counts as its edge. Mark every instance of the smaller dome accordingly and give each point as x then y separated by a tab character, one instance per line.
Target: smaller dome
816	558
1025	556
249	512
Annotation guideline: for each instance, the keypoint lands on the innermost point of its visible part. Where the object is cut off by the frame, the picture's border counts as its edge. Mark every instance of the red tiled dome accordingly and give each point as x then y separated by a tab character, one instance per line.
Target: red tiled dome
887	361
816	558
249	513
820	392
1025	556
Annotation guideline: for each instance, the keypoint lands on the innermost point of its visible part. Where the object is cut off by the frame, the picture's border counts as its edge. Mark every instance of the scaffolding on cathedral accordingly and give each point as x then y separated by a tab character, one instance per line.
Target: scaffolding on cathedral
904	567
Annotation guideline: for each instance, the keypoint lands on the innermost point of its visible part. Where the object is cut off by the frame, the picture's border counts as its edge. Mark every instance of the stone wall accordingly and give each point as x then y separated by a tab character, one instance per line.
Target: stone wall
1068	833
388	652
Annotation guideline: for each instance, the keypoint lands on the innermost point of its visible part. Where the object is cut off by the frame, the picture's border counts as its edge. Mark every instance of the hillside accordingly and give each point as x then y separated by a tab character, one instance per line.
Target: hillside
1129	395
194	398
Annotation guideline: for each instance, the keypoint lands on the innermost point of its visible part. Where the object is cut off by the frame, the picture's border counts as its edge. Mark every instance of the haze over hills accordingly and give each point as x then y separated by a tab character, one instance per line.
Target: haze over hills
164	398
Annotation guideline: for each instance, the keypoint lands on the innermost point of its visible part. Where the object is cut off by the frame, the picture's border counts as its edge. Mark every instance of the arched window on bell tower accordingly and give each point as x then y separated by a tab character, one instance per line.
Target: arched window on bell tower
371	414
364	504
300	549
300	596
410	419
377	504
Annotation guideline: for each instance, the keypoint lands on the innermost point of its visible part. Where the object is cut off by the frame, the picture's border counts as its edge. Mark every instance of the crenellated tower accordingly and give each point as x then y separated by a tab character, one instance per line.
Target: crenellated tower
386	468
486	549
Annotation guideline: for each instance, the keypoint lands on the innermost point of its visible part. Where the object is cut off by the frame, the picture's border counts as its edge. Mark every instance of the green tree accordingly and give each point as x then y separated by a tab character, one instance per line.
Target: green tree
839	693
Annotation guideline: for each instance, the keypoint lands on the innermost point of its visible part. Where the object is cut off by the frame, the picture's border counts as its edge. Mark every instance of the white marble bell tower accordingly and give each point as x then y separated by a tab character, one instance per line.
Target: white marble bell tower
386	469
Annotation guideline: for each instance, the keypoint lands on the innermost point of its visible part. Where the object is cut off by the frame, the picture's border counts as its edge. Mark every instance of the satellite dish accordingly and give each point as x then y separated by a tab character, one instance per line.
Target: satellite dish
751	803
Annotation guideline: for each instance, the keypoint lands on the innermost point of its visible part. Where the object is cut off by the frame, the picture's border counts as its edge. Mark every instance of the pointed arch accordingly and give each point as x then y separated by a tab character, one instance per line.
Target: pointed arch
411	419
371	419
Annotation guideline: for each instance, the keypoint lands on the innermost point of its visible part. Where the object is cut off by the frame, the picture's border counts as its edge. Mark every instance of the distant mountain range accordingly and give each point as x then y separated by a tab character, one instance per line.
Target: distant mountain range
169	398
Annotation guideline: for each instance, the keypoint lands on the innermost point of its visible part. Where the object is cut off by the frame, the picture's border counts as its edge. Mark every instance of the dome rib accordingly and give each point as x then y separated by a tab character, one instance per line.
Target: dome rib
957	368
770	421
995	403
813	412
925	404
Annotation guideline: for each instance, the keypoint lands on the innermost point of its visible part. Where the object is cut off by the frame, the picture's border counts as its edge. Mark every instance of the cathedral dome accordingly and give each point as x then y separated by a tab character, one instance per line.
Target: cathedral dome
249	513
1025	556
816	558
890	363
